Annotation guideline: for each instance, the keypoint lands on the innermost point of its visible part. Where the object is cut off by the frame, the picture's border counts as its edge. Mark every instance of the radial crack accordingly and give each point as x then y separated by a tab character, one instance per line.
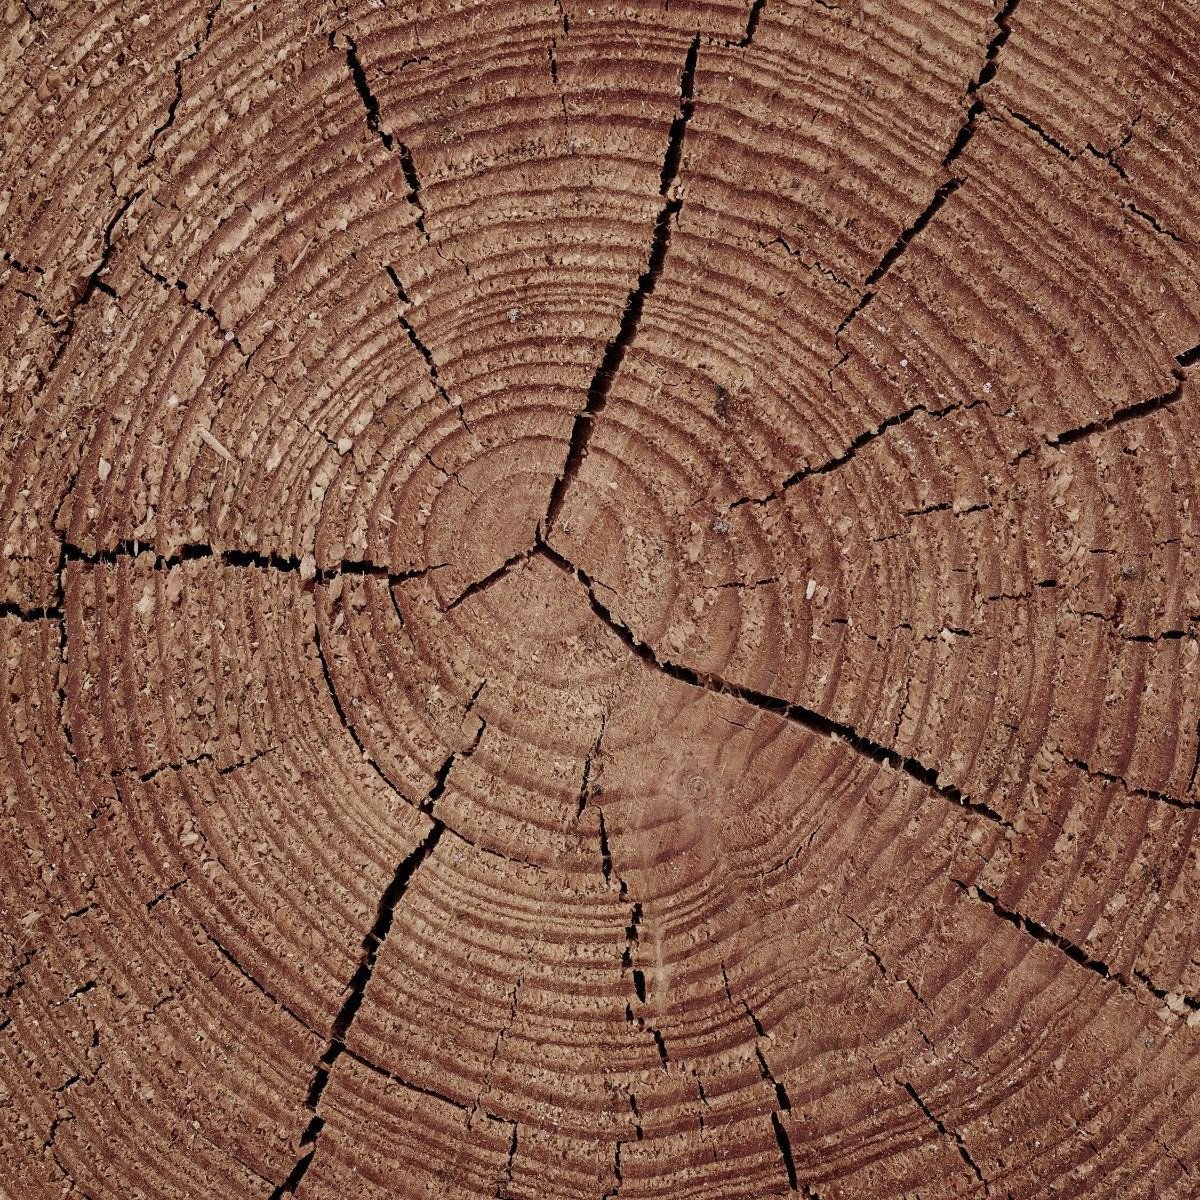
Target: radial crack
492	577
1046	137
614	352
632	938
863	439
502	1187
442	778
244	972
17	265
407	1084
390	143
176	100
888	975
613	1192
782	1100
422	349
895	250
781	1096
585	784
562	96
991	64
44	612
1148	793
606	863
785	1151
953	1134
797	713
1040	933
1152	221
205	310
943	192
752	19
1134	412
347	724
372	942
94	281
246	559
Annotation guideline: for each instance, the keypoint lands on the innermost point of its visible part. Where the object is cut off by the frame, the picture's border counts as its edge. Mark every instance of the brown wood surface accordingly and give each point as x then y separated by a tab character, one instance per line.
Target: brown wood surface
599	601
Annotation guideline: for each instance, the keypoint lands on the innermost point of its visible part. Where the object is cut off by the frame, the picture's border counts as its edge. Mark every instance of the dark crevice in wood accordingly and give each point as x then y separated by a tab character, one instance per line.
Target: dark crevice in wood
1148	793
414	186
40	311
781	1095
148	776
585	785
245	559
1134	412
679	124
610	362
502	1187
382	1071
614	352
945	506
1153	222
638	1132
660	1044
19	266
165	894
44	612
442	777
93	284
1109	156
952	1134
1188	358
363	88
552	50
752	20
176	100
606	864
347	724
501	572
205	310
785	1151
390	143
422	349
612	1193
632	937
372	943
1076	953
247	974
863	439
1034	127
797	713
991	64
895	250
782	1099
887	975
943	192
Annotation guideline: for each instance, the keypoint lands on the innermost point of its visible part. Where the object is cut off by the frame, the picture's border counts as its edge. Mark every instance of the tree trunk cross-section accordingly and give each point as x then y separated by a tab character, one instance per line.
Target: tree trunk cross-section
600	602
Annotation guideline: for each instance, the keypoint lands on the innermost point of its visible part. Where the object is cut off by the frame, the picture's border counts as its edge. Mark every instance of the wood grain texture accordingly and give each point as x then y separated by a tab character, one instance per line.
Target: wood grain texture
600	602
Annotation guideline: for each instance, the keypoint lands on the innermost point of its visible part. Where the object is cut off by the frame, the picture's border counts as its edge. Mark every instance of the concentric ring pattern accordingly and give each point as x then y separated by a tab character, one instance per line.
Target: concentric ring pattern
600	601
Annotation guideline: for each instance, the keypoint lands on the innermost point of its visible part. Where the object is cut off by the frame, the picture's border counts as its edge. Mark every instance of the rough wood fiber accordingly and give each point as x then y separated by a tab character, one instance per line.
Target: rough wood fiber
600	601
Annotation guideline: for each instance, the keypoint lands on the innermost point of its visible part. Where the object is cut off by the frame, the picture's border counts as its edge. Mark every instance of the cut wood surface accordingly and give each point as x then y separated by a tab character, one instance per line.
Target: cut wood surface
599	601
